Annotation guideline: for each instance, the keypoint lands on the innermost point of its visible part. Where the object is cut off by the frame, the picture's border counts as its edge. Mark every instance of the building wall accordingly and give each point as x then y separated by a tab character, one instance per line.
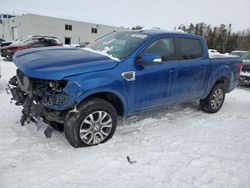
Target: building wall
31	24
5	28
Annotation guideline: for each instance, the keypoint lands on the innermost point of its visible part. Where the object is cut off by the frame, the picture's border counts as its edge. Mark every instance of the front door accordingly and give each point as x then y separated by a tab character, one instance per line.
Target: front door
154	82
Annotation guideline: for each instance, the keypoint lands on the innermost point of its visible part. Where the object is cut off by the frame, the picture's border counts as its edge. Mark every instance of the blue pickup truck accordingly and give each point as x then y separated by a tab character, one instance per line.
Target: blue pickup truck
85	91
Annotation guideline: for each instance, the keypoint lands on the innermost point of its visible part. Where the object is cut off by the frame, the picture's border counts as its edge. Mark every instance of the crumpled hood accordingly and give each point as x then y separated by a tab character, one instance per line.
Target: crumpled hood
55	63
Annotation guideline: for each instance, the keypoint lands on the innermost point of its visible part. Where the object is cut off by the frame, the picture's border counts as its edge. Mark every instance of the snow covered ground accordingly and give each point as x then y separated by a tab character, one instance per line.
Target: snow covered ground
179	146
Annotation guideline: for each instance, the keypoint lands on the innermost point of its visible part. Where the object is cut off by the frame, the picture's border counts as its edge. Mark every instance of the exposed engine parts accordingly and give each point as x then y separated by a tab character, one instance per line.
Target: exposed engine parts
36	95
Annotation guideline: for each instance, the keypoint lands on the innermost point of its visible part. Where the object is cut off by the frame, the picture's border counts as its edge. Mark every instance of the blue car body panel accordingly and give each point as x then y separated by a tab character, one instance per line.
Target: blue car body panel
55	63
167	83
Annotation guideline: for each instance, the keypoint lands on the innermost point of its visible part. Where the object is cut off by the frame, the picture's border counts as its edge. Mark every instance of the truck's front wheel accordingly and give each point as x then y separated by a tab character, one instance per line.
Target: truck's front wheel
95	123
214	100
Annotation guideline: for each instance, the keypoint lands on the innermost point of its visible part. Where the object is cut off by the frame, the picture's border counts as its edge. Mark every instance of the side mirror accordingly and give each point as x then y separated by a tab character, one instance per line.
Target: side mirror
150	59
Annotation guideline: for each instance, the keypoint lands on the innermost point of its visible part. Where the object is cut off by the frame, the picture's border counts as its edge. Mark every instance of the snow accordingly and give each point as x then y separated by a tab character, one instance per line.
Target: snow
178	146
104	52
216	54
245	73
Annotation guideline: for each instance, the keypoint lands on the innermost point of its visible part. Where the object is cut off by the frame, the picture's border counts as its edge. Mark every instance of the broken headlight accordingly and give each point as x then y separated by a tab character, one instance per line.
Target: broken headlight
58	85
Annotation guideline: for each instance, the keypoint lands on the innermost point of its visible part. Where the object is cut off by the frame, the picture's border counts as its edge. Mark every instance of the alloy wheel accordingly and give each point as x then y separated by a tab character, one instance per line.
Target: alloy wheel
217	99
95	127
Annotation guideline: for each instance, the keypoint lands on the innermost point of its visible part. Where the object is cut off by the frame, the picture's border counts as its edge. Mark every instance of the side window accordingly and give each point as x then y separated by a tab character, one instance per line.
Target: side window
190	48
38	44
51	42
164	47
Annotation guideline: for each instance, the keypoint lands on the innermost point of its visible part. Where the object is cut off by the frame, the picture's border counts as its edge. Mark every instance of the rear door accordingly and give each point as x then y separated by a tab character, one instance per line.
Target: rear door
194	68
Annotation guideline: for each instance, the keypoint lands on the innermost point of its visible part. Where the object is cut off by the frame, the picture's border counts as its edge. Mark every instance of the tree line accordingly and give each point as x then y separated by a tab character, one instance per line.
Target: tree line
220	37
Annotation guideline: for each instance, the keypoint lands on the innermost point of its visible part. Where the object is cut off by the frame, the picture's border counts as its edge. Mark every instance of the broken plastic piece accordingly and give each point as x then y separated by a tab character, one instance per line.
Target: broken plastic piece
48	132
130	161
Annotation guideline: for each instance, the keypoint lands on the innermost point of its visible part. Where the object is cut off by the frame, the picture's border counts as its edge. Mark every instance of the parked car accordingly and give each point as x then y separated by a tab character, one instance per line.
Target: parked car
121	74
9	42
245	73
30	42
6	43
239	53
1	40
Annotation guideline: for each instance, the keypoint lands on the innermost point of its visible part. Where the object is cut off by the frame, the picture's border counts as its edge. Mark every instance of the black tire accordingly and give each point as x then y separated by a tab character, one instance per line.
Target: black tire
75	123
212	105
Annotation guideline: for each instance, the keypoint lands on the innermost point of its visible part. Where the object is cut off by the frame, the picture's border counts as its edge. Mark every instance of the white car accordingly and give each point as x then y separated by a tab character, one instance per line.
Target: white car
239	53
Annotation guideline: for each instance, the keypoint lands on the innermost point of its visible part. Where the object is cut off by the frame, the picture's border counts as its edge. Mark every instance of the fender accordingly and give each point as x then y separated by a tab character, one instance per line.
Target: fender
221	72
123	99
111	81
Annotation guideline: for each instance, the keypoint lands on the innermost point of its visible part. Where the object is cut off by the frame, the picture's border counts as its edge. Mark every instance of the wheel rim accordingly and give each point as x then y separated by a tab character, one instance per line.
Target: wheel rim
95	127
217	99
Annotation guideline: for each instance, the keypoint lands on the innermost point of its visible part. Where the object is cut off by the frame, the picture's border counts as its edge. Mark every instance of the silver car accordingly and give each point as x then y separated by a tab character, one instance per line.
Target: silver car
245	73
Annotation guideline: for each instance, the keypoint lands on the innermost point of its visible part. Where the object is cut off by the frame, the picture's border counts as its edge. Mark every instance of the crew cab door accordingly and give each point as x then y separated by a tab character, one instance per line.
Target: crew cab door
154	83
182	75
193	67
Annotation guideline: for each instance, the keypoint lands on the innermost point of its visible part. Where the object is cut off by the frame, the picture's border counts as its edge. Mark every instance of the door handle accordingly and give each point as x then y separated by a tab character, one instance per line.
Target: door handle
173	70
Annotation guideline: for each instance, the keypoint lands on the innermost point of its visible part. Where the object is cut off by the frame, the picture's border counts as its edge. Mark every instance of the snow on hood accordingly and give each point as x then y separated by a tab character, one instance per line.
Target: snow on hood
104	52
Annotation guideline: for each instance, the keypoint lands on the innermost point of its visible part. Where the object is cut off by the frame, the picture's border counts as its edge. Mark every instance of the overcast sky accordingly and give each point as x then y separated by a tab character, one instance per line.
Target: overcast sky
165	14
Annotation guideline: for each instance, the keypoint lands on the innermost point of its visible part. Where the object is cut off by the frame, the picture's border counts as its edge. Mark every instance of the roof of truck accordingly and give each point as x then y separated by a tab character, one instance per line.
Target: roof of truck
163	32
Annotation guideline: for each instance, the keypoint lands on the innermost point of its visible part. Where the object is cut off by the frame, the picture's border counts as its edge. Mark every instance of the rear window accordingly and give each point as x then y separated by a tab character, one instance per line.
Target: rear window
190	48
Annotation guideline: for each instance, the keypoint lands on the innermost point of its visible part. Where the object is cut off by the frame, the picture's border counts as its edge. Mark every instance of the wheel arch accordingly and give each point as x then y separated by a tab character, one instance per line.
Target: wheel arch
220	80
223	80
114	98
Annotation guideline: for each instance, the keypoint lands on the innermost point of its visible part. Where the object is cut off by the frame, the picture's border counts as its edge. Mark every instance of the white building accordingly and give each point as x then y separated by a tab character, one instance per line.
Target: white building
68	31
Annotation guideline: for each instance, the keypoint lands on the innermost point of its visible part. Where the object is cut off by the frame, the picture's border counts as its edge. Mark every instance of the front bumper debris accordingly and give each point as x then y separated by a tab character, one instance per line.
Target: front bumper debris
45	100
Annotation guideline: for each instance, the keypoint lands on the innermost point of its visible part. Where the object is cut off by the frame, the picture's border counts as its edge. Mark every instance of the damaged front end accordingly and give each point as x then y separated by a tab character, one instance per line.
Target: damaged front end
49	100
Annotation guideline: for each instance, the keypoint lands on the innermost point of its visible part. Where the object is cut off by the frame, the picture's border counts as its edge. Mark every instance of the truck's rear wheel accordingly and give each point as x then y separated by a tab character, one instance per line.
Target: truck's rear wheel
95	123
214	100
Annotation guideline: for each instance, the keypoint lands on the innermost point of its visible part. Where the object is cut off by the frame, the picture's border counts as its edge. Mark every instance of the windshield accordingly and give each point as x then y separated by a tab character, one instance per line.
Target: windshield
28	41
246	56
16	41
118	44
23	41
